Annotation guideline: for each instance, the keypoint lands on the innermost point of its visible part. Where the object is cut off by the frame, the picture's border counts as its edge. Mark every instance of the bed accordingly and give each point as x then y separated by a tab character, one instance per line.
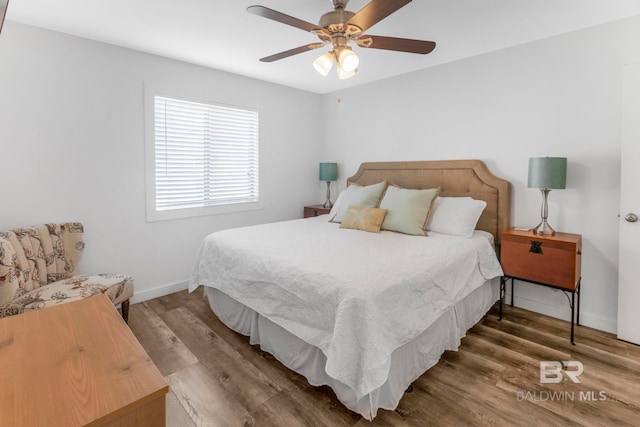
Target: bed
364	313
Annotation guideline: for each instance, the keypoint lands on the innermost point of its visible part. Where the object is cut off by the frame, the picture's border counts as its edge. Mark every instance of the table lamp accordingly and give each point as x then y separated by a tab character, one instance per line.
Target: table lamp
328	173
547	173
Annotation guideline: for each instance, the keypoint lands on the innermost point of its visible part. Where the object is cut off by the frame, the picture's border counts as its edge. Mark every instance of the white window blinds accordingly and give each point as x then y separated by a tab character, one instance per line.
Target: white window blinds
205	154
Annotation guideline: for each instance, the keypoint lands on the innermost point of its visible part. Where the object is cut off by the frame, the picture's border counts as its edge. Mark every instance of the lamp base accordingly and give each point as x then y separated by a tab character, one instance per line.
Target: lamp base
543	228
328	204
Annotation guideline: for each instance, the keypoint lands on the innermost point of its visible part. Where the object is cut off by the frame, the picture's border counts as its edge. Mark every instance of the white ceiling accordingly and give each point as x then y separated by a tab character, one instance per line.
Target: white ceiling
220	33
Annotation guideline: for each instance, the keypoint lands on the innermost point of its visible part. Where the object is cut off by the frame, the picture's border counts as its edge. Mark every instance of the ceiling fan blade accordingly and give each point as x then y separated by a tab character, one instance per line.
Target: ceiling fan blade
265	12
395	43
291	52
375	12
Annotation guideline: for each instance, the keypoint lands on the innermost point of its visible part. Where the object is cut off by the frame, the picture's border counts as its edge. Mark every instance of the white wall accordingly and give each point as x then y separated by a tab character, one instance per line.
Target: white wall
556	97
72	144
72	149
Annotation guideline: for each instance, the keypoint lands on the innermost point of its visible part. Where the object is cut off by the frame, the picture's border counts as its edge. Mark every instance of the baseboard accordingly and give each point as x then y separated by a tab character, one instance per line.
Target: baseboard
160	291
563	313
559	312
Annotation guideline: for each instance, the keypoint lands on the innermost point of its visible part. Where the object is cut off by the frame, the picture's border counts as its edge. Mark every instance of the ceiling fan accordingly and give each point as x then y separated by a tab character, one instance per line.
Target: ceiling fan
340	27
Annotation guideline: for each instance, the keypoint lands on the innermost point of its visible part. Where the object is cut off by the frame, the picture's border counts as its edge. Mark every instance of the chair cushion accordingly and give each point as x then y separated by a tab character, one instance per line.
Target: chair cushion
11	278
117	287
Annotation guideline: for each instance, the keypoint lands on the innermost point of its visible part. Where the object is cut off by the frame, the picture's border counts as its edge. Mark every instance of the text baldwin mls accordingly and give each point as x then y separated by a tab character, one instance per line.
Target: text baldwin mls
552	396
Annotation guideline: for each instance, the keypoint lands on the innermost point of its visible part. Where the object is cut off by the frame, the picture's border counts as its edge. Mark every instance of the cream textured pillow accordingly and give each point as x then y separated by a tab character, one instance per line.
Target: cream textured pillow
408	210
356	195
362	218
456	216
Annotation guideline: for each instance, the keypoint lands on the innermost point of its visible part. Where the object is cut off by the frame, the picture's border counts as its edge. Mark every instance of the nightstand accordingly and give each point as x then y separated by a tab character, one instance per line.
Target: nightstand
315	210
549	260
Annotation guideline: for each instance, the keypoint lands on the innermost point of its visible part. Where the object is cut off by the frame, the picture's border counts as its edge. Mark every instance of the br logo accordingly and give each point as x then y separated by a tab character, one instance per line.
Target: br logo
551	371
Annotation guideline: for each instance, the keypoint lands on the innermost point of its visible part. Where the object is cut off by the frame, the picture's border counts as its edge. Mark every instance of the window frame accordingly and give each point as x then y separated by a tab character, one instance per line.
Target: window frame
152	214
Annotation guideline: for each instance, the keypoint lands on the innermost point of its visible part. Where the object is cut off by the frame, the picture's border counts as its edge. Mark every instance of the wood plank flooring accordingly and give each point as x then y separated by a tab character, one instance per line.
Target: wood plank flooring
218	379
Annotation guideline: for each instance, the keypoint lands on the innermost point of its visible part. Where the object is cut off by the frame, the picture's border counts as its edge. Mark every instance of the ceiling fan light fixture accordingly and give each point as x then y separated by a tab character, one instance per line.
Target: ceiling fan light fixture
324	63
344	74
348	60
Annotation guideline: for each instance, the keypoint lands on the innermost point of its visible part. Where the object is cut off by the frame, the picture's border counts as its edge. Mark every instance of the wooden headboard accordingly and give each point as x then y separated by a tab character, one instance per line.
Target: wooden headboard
456	178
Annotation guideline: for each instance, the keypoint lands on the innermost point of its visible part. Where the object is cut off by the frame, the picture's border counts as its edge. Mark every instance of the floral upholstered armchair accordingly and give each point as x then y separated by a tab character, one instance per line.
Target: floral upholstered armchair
38	266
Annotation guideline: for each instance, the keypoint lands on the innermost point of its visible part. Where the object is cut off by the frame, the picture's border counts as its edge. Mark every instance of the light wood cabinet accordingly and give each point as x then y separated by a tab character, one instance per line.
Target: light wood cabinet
77	364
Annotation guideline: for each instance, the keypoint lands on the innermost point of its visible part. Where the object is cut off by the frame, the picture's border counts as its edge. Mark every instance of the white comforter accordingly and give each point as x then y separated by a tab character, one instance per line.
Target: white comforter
355	295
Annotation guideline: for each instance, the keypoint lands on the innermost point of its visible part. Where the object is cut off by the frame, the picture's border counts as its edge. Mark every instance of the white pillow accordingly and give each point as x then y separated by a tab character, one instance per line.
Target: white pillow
456	216
356	195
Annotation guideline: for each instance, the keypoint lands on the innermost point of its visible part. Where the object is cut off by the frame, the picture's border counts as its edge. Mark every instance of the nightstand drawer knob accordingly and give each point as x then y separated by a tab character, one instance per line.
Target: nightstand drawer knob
631	217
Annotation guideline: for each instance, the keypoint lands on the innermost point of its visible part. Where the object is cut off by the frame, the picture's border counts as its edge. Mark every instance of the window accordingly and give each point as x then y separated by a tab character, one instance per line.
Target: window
205	159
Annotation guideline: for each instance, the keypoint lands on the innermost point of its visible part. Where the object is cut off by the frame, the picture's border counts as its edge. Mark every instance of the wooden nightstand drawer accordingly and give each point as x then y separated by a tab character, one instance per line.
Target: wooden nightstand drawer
551	260
315	210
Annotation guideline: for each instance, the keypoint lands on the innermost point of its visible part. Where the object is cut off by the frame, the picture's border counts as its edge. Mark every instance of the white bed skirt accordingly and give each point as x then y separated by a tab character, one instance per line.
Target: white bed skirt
408	362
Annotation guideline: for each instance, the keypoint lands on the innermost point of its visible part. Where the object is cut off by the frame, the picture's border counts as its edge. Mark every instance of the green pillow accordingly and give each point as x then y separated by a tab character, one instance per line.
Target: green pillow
356	195
407	210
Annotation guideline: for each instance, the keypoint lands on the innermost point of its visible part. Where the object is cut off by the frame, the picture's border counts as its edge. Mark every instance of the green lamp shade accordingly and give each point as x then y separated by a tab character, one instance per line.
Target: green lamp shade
328	171
548	172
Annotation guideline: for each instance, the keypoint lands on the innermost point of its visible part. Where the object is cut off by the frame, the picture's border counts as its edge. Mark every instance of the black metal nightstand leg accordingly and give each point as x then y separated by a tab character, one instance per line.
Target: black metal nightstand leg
512	291
503	292
573	306
578	290
501	296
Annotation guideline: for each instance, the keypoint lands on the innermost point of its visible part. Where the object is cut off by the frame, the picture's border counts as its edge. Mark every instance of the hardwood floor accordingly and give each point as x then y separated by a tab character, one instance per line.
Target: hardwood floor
218	379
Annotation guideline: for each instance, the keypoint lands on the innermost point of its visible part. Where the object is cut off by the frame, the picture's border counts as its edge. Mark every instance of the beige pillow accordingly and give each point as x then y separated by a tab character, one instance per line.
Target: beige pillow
408	210
356	195
363	218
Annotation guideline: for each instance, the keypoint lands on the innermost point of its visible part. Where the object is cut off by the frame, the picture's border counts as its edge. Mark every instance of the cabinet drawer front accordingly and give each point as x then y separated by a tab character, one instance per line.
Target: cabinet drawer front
541	261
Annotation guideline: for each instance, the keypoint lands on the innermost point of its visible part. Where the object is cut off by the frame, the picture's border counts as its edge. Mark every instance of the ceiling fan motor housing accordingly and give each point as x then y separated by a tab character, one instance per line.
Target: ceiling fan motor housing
339	4
335	21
